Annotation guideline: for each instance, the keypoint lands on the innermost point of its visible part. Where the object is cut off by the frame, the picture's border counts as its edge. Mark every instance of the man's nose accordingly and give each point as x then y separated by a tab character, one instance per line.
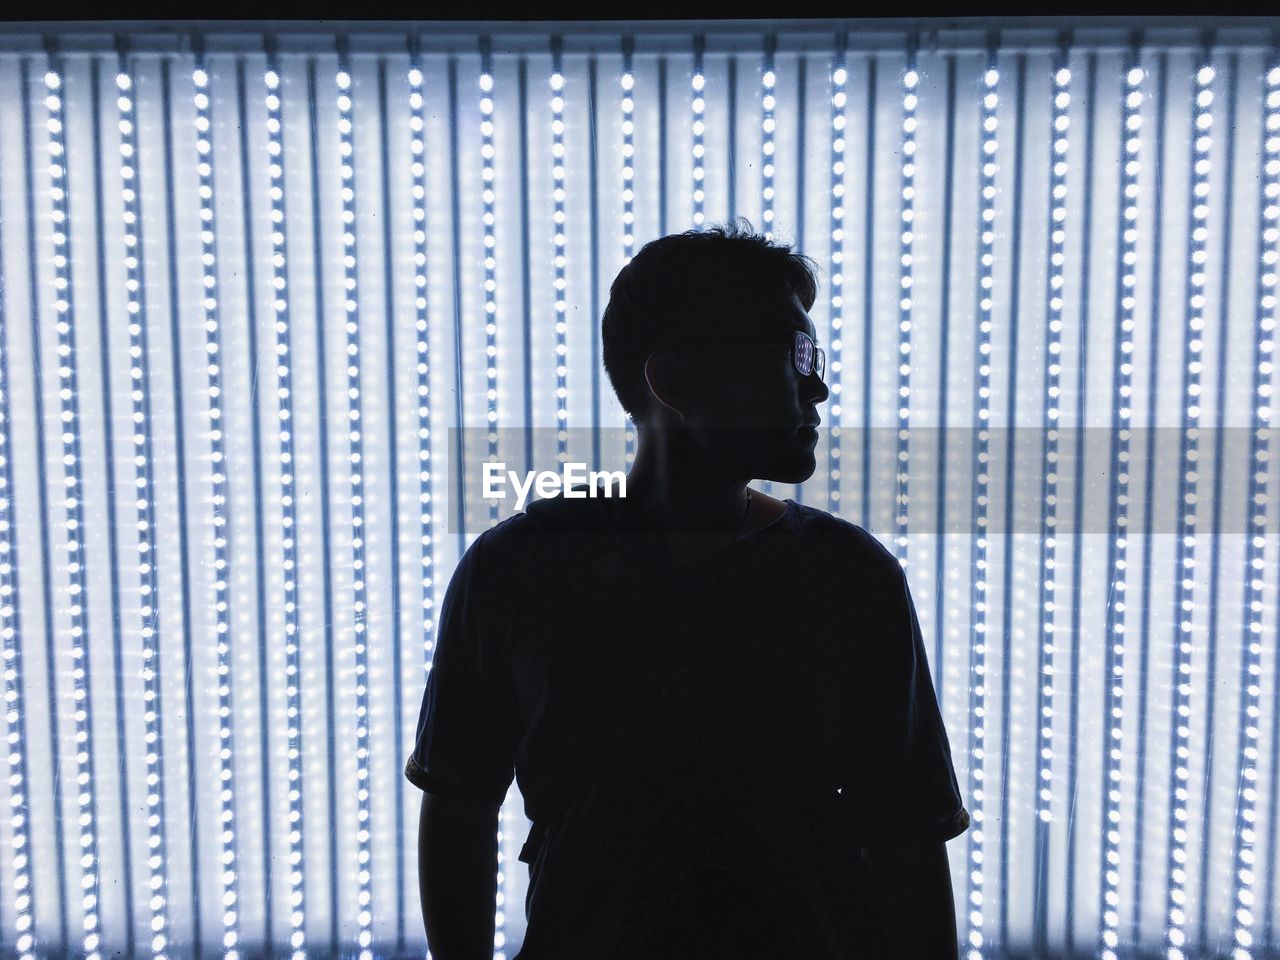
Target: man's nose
817	388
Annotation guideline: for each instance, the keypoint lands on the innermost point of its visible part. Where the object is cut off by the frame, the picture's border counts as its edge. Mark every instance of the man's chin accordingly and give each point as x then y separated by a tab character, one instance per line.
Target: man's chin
794	467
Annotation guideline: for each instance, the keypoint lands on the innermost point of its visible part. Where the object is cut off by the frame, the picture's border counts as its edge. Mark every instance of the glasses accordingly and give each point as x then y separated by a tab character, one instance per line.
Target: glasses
807	356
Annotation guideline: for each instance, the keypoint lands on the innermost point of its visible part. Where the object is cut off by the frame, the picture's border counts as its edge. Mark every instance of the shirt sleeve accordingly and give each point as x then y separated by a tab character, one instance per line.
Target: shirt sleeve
900	786
466	735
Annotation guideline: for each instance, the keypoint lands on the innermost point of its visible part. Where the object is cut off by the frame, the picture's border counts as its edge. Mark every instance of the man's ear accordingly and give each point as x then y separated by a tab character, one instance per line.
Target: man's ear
662	372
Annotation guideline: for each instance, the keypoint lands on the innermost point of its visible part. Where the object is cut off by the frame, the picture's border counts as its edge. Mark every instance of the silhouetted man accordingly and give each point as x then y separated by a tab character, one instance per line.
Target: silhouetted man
716	703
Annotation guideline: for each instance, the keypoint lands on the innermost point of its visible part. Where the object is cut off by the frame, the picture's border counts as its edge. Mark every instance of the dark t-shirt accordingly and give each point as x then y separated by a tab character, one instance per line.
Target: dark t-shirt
702	749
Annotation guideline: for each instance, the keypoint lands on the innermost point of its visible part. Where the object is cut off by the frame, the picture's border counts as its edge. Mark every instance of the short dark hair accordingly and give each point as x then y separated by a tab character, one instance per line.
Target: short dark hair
694	283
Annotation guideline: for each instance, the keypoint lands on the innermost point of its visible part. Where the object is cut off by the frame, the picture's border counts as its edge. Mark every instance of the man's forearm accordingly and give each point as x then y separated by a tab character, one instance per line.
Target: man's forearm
914	902
457	877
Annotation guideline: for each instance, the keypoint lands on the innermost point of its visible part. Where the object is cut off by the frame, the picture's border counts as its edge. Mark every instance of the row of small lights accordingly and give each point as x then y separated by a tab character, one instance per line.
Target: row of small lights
1053	395
559	229
906	236
418	190
1175	933
488	195
1245	858
1122	400
767	124
157	839
218	481
768	101
288	506
68	395
977	682
628	81
699	105
15	710
1045	672
839	100
355	437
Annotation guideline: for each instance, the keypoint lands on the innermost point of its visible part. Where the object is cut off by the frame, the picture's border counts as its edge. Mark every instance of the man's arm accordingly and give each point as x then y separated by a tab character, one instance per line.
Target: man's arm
913	899
457	876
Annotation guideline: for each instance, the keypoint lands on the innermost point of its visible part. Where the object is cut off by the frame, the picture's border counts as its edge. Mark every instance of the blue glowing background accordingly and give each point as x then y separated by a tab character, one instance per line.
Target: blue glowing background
250	283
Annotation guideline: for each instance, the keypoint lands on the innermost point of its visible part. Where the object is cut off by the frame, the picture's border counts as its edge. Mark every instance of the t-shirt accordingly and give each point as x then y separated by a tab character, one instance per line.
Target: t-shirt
702	749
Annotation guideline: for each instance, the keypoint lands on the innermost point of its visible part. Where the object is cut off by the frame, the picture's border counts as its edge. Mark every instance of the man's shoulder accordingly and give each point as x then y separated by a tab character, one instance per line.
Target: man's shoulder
817	520
854	544
549	524
508	539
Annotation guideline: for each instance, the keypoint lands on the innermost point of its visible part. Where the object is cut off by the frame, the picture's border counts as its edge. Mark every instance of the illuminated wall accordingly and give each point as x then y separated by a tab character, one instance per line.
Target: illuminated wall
251	282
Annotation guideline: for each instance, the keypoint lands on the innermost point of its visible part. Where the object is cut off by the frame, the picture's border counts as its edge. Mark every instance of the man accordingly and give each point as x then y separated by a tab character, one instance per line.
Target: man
716	703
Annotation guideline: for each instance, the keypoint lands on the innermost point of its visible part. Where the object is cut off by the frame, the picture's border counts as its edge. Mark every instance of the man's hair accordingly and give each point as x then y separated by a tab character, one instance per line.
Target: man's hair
693	284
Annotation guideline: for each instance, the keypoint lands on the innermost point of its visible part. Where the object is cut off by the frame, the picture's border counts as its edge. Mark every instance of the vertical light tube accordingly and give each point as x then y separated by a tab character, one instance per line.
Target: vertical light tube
15	710
426	523
355	436
1245	906
1045	667
559	228
767	125
288	507
139	394
73	504
218	480
628	81
1117	559
699	105
839	103
906	237
1160	104
1180	749
488	196
977	662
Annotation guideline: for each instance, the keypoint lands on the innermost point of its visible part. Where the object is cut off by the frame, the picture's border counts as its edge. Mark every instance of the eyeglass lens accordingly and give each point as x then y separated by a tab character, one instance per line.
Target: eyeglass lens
808	357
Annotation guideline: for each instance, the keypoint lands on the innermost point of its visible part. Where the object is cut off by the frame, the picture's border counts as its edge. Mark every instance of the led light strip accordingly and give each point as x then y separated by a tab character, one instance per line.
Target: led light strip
839	102
627	81
767	125
284	392
426	528
978	678
490	263
355	419
699	105
73	503
906	216
1117	565
491	355
15	710
1244	857
1184	604
139	393
559	228
218	480
1053	412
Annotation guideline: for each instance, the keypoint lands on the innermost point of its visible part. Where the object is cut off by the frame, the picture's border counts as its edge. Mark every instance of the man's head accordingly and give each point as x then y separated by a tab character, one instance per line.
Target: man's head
681	346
